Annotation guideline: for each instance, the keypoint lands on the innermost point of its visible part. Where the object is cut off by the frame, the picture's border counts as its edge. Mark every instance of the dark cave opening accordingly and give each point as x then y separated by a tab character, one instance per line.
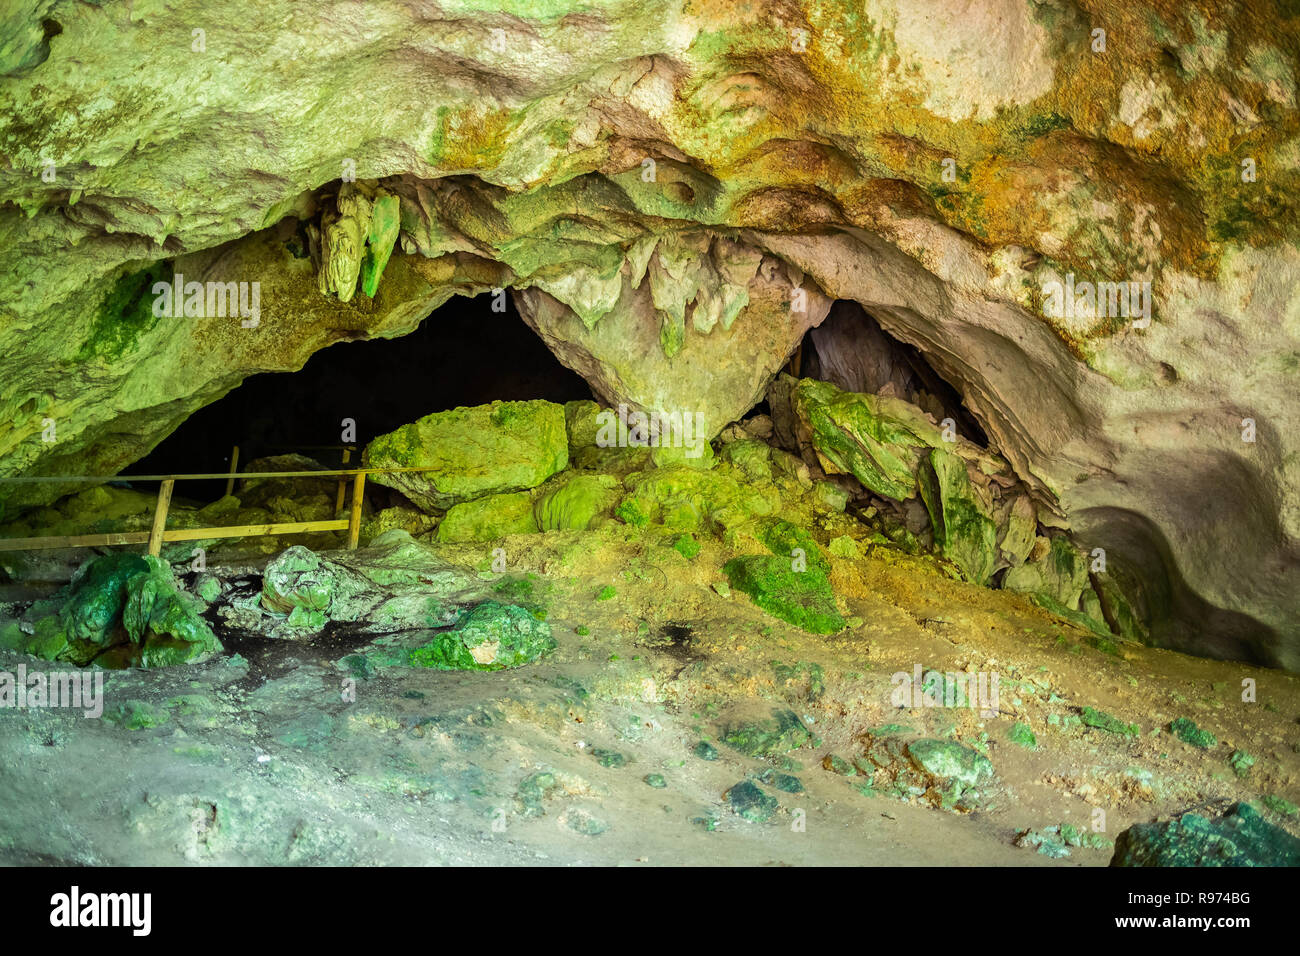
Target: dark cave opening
853	352
463	353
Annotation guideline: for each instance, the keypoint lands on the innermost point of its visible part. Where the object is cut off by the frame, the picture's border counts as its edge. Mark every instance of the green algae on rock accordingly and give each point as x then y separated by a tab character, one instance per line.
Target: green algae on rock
801	598
1101	720
1022	735
1241	837
472	452
785	782
1187	731
576	501
751	803
1241	763
838	765
97	595
686	546
705	751
137	715
1060	575
488	519
121	610
165	621
771	737
964	531
948	760
490	636
878	440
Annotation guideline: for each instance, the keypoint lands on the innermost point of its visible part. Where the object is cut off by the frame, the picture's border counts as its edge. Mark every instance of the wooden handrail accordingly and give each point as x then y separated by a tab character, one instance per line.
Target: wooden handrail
346	472
159	535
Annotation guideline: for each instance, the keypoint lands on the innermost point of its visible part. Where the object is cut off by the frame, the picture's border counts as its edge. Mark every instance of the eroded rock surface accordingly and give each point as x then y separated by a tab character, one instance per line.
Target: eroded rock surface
938	169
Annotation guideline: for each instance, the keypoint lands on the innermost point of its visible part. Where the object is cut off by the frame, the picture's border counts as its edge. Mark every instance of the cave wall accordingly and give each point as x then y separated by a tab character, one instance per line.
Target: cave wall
621	168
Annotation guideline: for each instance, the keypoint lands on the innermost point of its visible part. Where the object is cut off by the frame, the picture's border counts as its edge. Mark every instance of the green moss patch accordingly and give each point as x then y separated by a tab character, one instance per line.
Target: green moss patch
488	519
1104	721
801	598
490	636
782	732
1187	731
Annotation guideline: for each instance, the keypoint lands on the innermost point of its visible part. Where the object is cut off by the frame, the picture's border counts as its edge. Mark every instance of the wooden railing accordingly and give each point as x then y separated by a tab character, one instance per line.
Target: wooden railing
158	535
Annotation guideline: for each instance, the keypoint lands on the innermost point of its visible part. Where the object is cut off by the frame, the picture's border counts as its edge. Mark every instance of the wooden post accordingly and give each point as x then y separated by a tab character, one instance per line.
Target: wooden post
160	517
343	485
354	520
234	467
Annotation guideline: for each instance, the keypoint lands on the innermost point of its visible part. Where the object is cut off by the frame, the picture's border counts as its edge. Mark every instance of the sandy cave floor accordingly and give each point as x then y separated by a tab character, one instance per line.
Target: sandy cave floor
262	761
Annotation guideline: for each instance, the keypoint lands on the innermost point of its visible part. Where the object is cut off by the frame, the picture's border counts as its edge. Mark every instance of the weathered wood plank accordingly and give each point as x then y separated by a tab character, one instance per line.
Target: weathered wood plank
160	517
354	520
50	542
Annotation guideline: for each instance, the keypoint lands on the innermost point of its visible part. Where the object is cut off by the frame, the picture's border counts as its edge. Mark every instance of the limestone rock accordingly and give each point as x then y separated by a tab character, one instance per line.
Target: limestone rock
490	636
641	177
574	503
1060	574
963	529
642	349
489	518
488	449
396	584
1241	837
948	760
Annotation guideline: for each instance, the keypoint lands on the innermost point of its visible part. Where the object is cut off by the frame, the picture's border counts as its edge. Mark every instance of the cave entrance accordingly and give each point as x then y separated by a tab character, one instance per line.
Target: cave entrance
463	353
853	352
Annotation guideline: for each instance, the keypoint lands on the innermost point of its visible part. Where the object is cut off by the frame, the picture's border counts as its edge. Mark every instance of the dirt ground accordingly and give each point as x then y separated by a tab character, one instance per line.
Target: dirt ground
280	753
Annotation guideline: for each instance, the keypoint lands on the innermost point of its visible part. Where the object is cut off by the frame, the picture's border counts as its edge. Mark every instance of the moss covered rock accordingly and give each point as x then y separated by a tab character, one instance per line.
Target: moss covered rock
575	502
1241	837
164	621
489	519
488	637
770	737
964	531
949	760
1189	733
792	583
486	449
801	598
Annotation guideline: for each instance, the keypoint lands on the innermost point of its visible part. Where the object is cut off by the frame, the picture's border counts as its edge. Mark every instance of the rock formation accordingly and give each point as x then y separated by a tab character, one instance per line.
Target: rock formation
1082	214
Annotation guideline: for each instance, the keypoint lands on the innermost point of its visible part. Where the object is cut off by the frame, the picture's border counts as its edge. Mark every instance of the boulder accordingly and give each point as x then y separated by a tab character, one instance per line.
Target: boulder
490	518
472	452
489	636
577	501
1241	837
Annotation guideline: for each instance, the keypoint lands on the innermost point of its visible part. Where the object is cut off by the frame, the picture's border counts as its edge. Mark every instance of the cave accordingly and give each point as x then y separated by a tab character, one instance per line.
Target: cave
586	435
375	383
851	351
